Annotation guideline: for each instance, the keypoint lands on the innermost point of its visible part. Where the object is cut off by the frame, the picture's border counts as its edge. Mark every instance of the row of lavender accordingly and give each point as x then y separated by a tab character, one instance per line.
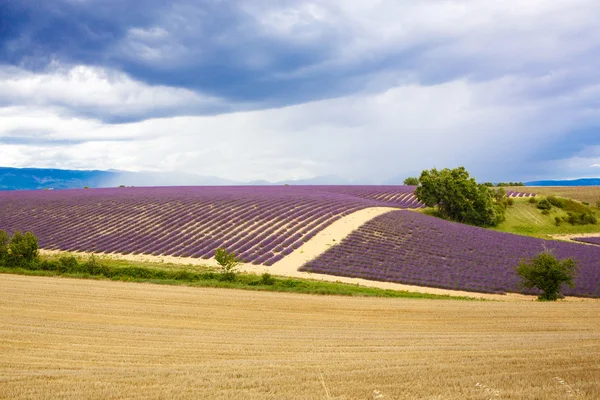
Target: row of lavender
416	249
260	224
589	239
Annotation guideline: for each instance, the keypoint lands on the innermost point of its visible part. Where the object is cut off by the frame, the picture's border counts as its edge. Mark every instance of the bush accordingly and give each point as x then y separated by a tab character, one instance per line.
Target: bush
4	240
228	263
556	202
533	200
267	279
23	248
575	218
557	221
544	204
547	273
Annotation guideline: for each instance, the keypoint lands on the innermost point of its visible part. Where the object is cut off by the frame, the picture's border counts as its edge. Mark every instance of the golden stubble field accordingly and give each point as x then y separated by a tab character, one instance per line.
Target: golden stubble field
85	339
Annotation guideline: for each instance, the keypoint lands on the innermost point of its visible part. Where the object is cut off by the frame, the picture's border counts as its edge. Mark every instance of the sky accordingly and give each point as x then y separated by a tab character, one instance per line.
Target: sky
289	89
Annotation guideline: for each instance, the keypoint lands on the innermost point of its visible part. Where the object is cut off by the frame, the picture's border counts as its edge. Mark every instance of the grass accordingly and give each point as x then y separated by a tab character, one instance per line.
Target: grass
524	218
200	276
73	339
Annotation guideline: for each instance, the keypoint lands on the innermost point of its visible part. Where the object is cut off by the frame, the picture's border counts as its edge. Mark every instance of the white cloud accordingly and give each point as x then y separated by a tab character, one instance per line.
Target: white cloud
95	90
364	136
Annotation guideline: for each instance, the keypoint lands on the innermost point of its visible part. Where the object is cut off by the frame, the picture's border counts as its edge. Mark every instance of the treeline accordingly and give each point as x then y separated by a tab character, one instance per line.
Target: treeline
500	184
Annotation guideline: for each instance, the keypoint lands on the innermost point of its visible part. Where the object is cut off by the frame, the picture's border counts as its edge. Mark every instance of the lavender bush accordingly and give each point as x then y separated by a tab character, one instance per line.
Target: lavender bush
416	249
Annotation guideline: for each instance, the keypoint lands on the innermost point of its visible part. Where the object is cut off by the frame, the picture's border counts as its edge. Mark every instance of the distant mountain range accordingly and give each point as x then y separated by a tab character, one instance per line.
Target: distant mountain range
41	178
570	182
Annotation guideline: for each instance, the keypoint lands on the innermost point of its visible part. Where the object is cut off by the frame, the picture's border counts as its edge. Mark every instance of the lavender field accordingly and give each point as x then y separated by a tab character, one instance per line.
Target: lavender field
416	249
260	224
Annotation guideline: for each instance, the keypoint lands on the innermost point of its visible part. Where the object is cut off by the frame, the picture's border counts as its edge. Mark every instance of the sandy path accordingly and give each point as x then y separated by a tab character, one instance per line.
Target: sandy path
330	236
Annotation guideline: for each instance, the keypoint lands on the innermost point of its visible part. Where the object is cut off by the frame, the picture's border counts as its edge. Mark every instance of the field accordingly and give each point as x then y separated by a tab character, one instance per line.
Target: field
589	194
416	249
524	218
67	338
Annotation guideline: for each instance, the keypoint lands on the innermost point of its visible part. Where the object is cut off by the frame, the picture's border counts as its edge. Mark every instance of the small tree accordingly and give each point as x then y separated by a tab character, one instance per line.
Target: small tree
228	263
411	181
24	247
4	240
548	274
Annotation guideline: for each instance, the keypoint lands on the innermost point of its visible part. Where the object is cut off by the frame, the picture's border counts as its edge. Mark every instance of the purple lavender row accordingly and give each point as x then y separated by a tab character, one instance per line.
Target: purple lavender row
416	249
591	240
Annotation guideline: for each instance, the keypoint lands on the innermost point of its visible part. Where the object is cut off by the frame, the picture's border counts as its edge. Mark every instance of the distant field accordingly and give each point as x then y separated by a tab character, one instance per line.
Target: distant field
590	194
260	224
95	339
526	219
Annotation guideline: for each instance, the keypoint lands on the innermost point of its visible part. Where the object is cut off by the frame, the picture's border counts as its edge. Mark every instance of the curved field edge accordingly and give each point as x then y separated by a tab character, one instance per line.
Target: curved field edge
416	249
101	339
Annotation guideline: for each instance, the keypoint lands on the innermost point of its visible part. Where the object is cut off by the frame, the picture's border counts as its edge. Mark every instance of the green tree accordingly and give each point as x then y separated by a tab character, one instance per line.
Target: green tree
458	197
4	240
548	274
228	263
24	247
411	181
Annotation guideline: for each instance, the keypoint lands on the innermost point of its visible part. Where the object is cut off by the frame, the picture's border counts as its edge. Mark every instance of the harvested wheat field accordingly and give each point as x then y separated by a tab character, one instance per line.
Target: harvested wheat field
68	338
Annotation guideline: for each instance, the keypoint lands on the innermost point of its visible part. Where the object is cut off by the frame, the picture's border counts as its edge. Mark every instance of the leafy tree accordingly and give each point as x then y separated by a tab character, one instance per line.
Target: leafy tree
548	274
4	240
24	246
459	198
228	263
411	181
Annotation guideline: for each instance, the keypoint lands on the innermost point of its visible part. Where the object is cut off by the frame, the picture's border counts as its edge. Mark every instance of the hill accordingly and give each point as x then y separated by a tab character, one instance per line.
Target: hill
566	182
417	249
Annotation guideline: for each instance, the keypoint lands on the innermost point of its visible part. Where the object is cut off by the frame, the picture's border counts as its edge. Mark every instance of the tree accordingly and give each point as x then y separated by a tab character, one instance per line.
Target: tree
24	246
4	240
411	181
228	263
547	273
458	197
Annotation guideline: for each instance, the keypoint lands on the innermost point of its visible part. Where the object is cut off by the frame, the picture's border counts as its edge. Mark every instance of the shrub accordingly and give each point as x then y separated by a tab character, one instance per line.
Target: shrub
557	221
544	204
23	248
267	279
533	200
548	274
555	201
575	218
68	263
4	240
228	263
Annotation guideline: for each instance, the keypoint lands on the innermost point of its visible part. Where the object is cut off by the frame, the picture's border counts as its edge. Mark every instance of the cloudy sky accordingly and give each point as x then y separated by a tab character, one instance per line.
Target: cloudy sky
291	89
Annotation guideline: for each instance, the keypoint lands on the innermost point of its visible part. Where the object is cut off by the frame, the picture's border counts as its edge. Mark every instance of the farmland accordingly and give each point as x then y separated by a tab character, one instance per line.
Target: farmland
344	231
412	248
589	194
260	224
96	339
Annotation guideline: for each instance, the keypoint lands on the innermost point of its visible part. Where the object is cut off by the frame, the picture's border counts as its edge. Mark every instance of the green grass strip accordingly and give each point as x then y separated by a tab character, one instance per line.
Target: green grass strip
95	270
